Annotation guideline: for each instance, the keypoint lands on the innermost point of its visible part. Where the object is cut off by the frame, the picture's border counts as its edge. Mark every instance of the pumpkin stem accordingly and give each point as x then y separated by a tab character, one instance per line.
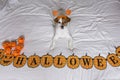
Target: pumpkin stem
23	53
108	53
86	54
22	36
99	54
61	53
34	54
47	53
1	49
115	47
13	40
73	54
116	54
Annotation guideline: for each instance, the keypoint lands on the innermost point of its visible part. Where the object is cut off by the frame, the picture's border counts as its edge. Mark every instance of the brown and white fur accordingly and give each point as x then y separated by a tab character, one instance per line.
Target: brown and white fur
61	31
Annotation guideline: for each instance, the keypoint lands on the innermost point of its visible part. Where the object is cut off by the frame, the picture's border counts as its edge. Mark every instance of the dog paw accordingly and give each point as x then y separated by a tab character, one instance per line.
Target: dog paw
71	48
51	48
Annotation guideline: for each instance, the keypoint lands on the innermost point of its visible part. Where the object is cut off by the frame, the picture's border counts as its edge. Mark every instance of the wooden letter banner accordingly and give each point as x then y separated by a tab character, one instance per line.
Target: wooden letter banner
60	61
100	62
86	62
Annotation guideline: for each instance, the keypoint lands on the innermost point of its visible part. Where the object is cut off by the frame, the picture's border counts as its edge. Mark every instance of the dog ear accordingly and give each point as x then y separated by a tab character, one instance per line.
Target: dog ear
55	12
68	19
68	12
56	20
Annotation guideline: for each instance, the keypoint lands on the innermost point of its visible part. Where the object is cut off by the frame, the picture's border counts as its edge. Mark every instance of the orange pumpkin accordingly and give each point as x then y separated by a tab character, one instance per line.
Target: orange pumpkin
19	47
100	62
7	51
6	44
1	53
13	43
33	61
19	61
73	61
118	51
21	40
113	60
86	62
6	60
16	53
60	61
46	60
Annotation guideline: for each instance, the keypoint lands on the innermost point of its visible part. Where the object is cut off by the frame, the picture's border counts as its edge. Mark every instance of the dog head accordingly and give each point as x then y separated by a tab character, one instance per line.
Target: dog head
61	17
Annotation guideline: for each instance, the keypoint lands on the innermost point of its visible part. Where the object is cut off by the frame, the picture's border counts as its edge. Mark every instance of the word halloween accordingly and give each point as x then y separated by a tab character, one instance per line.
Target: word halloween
59	61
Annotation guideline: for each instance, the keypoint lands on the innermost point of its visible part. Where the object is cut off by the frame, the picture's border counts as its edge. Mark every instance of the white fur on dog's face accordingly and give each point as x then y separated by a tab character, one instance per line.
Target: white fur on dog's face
63	20
60	20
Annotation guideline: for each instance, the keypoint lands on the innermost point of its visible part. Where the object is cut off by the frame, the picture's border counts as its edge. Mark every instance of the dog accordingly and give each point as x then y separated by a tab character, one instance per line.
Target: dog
61	24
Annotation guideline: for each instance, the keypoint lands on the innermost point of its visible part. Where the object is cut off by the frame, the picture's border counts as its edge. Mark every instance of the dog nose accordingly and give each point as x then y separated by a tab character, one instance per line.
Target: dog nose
62	27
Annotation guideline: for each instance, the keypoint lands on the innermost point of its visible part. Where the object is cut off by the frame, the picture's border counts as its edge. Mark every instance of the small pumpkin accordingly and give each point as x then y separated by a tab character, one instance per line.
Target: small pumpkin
6	60
21	40
16	53
46	60
6	44
1	53
7	51
33	61
13	43
118	51
73	61
100	62
86	62
19	61
19	47
59	61
113	60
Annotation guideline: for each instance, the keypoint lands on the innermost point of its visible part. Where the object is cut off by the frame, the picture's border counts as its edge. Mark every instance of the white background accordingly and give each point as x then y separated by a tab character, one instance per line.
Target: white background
95	28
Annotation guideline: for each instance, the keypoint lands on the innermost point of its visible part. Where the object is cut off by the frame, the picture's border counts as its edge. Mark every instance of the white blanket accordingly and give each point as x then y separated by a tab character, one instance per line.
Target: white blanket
95	28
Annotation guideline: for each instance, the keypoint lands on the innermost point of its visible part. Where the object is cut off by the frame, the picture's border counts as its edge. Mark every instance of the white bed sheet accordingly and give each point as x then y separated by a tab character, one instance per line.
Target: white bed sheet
95	28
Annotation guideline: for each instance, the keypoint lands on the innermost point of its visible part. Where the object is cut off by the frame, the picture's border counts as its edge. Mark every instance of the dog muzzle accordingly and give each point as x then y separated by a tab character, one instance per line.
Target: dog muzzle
62	27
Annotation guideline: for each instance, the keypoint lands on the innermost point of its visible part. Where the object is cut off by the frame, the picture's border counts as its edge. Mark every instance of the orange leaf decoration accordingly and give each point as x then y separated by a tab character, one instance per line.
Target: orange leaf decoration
6	44
16	53
7	51
55	13
19	47
21	40
13	43
68	12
